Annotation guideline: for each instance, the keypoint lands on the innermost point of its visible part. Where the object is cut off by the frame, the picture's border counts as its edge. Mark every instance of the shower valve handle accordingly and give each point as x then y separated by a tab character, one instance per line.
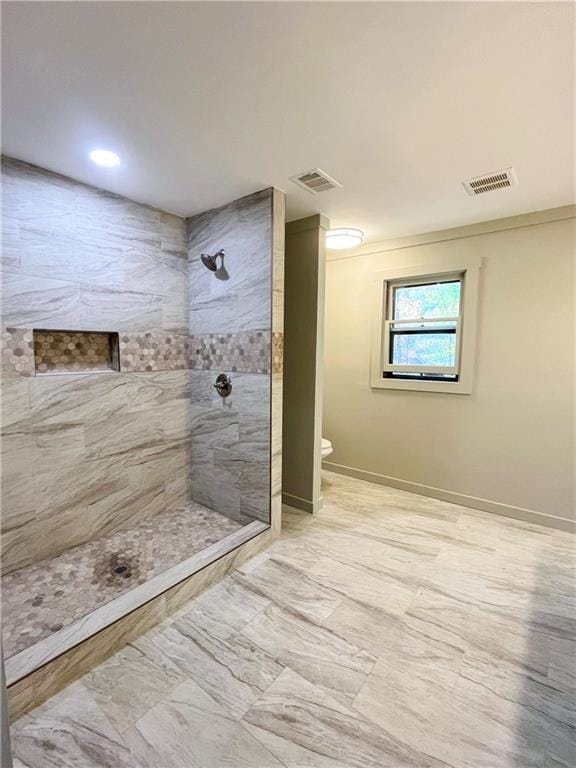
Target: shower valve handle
223	385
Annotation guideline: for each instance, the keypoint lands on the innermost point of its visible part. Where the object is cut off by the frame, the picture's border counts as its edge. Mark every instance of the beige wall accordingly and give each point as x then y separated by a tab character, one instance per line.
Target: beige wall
511	441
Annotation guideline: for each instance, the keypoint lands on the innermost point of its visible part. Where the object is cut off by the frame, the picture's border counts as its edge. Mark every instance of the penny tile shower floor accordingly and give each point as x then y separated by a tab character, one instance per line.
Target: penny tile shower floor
41	599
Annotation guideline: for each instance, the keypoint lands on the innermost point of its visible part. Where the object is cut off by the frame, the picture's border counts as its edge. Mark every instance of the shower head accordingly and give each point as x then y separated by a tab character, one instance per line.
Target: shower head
210	262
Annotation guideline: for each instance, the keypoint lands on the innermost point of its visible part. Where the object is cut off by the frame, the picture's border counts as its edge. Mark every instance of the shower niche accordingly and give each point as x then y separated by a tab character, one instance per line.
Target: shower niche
75	352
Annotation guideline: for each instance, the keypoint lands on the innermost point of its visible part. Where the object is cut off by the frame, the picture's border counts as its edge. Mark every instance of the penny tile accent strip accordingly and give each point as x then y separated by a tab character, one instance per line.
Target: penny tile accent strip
17	352
153	352
243	352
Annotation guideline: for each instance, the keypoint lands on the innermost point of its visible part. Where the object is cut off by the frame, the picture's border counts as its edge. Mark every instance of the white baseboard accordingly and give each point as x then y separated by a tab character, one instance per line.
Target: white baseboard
486	505
306	505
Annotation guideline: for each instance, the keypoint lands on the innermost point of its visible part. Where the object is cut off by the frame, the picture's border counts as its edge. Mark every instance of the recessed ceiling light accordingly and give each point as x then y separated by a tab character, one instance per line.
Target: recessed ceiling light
104	157
343	237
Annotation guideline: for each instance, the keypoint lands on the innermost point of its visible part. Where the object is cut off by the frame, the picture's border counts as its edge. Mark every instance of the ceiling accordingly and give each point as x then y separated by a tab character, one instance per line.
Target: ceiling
206	102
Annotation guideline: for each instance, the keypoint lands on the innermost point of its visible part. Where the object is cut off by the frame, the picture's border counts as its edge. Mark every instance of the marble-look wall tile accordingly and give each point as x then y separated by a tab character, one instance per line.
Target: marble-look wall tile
239	296
232	315
124	435
14	401
230	444
107	450
29	448
83	258
254	485
173	236
26	200
276	432
99	497
55	304
278	247
9	239
86	398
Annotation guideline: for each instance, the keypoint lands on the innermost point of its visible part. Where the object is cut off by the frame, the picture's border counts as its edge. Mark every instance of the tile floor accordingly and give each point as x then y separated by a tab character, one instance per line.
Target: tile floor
389	631
41	599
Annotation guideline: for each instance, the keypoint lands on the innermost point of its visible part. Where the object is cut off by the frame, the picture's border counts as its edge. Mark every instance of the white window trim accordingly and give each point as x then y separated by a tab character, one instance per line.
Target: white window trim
466	352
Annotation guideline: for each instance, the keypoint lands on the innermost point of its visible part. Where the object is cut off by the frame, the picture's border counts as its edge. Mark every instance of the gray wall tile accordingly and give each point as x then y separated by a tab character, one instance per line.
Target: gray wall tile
242	301
86	455
231	444
84	259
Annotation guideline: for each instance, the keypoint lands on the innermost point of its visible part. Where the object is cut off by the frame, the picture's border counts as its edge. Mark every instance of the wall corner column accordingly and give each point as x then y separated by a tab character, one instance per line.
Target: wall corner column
305	271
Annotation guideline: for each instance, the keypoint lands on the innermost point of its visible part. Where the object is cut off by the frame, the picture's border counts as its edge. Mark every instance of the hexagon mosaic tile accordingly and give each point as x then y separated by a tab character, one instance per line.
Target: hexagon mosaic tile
153	351
75	351
17	352
243	352
27	352
41	599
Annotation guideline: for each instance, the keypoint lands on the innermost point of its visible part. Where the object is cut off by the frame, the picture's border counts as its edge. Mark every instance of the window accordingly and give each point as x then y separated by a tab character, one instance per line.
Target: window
425	327
422	329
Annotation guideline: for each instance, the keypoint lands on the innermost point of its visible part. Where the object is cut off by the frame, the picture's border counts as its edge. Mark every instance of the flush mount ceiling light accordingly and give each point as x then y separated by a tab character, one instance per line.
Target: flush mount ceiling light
105	158
343	237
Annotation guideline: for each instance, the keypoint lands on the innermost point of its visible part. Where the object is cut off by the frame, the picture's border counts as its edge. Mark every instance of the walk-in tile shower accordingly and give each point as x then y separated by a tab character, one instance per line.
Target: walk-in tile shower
136	400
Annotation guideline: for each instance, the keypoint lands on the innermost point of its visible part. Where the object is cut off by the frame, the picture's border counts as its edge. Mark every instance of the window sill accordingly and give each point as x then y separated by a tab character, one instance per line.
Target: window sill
448	387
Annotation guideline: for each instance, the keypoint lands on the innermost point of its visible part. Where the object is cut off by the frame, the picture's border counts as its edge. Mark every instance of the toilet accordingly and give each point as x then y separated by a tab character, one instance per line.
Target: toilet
326	448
